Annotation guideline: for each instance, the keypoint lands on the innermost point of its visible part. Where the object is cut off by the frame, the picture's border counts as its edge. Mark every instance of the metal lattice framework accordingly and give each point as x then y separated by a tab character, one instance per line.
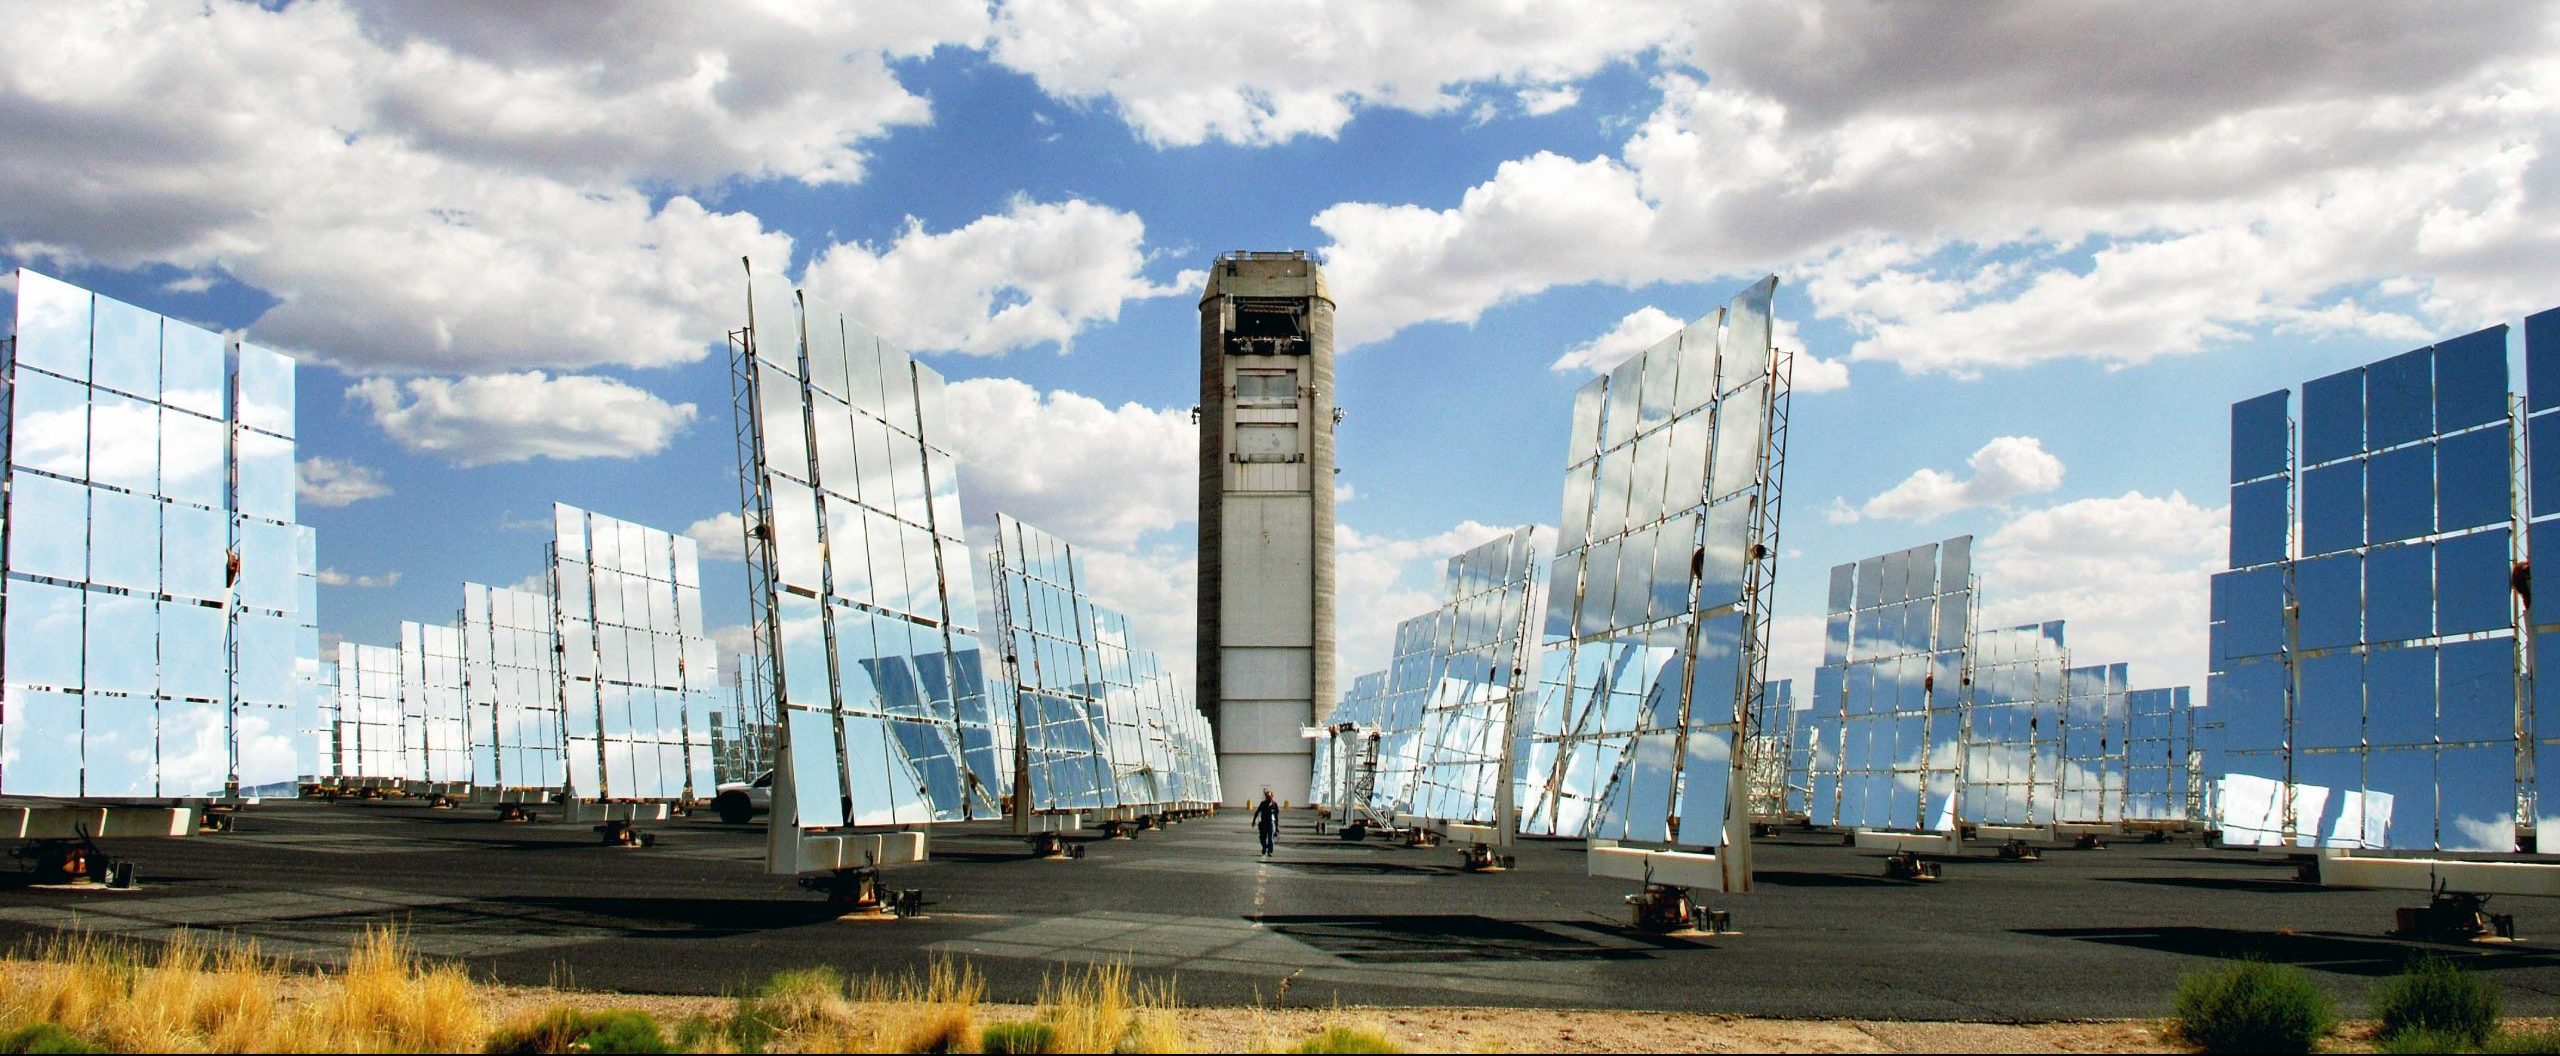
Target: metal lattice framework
511	673
1781	745
1101	721
151	602
2159	732
2370	646
1896	667
2093	744
1656	615
2013	743
637	672
1478	683
864	597
435	723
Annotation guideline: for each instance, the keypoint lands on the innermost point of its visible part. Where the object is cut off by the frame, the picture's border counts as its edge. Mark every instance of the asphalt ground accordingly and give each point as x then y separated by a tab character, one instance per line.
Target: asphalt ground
2080	934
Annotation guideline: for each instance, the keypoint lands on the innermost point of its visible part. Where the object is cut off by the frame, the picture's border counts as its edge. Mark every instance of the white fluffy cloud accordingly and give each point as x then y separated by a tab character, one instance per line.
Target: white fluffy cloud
1186	73
459	186
1033	274
495	418
1381	581
2006	468
720	537
2128	573
1093	474
1644	326
1978	188
1633	334
330	577
331	482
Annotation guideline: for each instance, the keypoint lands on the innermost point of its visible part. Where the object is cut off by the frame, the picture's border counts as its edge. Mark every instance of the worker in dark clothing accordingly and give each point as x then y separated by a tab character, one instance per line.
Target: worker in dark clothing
1266	822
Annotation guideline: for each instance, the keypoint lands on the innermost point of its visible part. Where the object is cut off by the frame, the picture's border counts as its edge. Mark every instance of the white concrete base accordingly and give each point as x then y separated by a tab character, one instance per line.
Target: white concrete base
68	821
2005	833
2348	869
1697	872
1915	842
828	852
2072	830
591	811
1465	832
505	796
1031	824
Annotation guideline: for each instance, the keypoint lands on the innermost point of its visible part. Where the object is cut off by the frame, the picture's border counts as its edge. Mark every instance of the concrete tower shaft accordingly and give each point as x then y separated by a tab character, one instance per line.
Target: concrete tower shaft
1266	518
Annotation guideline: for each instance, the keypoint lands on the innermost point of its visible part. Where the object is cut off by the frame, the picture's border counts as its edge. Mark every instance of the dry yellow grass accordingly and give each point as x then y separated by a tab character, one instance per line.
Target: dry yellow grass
191	997
388	1000
1101	1008
194	996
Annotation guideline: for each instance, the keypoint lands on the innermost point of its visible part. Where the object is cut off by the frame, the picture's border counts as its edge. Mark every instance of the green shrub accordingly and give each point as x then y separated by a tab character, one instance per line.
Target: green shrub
574	1030
1347	1039
699	1033
2540	1040
2253	1007
1019	1036
2423	1043
2434	997
44	1037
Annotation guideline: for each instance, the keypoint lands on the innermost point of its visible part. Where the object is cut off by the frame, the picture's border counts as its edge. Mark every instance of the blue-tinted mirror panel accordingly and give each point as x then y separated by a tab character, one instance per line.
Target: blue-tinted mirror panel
2261	428
2333	508
2542	360
2258	518
2473	486
2330	592
2472	582
2399	593
2333	417
2471	379
2477	701
2543	461
2399	399
2400	494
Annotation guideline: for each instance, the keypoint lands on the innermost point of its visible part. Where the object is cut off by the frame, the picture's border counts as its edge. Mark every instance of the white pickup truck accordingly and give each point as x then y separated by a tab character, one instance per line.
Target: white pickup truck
738	802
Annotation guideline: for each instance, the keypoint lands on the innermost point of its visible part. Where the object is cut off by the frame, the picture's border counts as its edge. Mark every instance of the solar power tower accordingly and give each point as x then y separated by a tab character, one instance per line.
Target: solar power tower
2372	642
1657	611
1266	518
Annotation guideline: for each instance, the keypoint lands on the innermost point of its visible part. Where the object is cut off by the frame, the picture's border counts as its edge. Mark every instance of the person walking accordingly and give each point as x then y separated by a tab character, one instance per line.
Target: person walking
1266	822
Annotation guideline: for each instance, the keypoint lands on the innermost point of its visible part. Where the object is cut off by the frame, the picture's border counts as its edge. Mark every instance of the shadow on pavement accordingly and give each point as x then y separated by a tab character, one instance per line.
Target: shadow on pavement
1415	939
2347	955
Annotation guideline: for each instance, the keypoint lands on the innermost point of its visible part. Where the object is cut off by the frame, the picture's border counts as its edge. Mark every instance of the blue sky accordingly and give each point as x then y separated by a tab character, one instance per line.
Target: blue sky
2030	261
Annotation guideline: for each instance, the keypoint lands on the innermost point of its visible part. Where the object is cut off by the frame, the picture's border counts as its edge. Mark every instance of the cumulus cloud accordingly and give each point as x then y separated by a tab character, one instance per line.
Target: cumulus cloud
446	187
2129	574
332	482
1034	274
1985	190
495	418
1541	101
1639	329
1382	580
1091	473
2006	468
720	537
1633	334
330	577
1182	74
